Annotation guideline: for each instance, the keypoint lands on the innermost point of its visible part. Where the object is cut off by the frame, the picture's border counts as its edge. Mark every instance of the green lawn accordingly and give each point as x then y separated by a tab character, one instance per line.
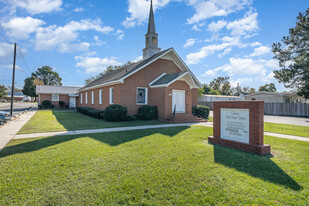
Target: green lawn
63	120
296	130
171	166
287	129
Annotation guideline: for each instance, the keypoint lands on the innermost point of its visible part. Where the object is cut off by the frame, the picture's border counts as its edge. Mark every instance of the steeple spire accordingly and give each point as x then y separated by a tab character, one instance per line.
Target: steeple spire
151	23
151	38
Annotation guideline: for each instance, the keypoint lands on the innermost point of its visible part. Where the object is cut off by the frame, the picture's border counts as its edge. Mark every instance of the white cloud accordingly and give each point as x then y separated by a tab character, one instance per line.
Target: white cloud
195	28
245	26
6	51
190	42
254	44
211	8
241	81
216	26
139	11
52	37
36	6
247	66
120	34
78	9
98	41
225	52
138	59
269	78
195	57
262	50
95	64
210	73
69	48
21	28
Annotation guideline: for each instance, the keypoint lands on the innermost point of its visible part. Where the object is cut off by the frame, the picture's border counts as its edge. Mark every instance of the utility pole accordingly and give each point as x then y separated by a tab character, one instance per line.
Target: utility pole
13	81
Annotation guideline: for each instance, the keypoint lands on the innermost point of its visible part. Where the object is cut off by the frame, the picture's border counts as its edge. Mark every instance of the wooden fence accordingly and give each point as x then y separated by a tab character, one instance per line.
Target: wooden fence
284	109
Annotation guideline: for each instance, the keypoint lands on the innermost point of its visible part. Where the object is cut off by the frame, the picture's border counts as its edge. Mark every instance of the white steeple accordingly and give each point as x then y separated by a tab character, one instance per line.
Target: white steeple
151	37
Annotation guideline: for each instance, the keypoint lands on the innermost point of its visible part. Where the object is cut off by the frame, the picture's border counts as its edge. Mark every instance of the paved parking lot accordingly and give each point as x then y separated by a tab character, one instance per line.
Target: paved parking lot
301	121
17	107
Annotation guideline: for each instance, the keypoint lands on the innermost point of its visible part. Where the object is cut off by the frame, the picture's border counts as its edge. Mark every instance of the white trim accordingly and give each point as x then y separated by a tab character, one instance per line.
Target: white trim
171	82
187	68
111	95
55	99
157	79
81	98
146	95
100	96
92	97
104	84
86	97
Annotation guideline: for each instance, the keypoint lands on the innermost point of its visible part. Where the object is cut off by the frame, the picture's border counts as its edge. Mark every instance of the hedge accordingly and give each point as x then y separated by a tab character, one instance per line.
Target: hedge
99	114
46	104
61	104
115	113
201	111
148	112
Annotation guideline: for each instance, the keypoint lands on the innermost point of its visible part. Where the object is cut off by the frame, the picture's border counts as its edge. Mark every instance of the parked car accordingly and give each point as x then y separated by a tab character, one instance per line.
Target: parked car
3	100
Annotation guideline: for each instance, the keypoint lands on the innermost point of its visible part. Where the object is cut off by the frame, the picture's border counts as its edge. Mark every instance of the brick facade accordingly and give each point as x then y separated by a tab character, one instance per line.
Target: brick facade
62	97
256	126
125	93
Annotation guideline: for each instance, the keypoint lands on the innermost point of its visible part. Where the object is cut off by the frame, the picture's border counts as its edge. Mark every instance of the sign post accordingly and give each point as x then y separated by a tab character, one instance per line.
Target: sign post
240	125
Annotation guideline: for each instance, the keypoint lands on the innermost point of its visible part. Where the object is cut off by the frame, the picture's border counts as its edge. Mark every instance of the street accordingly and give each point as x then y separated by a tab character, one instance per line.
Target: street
17	108
301	121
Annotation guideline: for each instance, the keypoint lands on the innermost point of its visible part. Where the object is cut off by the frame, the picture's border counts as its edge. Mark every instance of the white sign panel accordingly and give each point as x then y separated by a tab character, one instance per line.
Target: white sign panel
235	124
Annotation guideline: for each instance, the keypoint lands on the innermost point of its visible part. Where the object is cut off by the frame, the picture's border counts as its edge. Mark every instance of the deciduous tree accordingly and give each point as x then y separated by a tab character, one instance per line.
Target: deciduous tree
268	88
47	76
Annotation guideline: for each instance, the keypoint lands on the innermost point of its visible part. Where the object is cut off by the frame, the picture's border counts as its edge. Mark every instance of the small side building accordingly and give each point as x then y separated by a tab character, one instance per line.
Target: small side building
54	94
215	98
275	97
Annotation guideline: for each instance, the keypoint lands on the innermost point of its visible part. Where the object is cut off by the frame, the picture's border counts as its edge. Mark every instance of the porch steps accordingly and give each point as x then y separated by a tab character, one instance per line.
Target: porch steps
184	118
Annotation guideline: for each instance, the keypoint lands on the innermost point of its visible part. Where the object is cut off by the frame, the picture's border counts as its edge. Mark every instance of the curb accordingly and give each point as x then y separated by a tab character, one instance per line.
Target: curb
2	123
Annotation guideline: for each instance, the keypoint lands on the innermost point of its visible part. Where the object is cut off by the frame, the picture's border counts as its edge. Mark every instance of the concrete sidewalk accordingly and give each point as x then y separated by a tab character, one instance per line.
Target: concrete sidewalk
116	129
9	130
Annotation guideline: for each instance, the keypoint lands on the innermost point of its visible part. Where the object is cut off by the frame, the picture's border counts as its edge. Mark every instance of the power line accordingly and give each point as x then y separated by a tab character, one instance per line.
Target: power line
22	57
5	39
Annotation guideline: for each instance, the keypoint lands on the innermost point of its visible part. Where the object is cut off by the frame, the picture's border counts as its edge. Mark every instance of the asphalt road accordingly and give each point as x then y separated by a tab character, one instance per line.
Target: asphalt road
302	121
17	107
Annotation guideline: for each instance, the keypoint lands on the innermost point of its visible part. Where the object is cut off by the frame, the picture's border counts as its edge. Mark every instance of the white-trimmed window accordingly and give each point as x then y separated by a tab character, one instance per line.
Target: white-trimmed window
111	95
141	96
81	98
55	97
100	96
86	98
92	97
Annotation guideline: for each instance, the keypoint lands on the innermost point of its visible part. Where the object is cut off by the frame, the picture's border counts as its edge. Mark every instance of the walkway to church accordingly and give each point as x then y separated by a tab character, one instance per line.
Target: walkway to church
207	124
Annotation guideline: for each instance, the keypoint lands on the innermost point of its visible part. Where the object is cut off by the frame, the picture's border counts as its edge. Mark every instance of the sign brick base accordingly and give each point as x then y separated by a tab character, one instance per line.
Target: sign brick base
249	141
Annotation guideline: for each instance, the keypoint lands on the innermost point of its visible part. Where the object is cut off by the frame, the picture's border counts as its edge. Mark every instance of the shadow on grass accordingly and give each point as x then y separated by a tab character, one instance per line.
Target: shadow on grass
110	138
257	166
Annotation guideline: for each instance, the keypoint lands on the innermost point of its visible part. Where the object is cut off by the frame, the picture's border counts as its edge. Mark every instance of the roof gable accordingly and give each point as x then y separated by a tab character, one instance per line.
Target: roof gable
119	75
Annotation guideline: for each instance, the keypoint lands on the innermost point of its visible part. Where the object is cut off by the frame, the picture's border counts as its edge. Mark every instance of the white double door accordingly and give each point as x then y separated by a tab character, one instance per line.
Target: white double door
179	100
72	102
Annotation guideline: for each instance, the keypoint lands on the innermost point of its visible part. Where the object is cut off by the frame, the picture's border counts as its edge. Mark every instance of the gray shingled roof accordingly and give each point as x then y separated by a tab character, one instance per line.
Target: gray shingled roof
47	89
123	71
167	78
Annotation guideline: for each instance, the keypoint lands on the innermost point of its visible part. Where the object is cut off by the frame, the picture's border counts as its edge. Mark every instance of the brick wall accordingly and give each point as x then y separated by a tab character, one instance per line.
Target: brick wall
62	97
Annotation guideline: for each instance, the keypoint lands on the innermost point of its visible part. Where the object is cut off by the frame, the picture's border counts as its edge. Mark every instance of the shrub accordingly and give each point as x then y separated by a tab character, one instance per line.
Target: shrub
46	104
201	111
115	113
131	118
61	104
148	112
52	106
40	107
91	112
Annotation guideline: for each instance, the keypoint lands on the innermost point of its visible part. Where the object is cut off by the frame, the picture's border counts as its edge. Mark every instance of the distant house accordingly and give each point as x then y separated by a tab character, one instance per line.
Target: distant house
55	94
18	96
215	98
274	97
160	79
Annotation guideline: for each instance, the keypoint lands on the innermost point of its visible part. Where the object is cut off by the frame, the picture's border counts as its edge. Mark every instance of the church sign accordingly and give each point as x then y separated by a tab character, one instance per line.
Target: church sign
240	125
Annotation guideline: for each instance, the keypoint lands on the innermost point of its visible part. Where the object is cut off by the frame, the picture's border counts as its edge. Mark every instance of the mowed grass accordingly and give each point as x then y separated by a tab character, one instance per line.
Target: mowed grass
286	129
171	166
289	129
66	120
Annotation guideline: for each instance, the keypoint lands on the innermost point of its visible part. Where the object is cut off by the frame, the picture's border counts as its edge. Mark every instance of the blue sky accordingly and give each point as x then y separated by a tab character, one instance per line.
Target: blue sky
81	38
